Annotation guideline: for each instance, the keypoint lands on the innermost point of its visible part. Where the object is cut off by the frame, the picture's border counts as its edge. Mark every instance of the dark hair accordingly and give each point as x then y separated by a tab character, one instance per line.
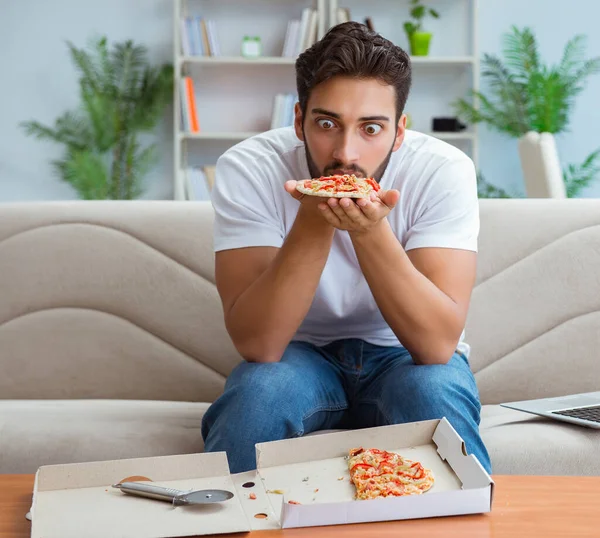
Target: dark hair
350	49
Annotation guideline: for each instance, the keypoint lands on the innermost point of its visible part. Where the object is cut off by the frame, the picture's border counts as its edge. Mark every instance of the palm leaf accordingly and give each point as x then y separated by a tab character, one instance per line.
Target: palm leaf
70	129
589	67
104	66
101	112
573	56
510	94
127	60
156	91
521	53
86	171
89	75
139	163
577	177
487	190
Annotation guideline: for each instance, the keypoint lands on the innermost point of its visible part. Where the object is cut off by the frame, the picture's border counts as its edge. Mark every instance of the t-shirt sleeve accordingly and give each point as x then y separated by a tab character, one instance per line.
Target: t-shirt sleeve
447	209
244	206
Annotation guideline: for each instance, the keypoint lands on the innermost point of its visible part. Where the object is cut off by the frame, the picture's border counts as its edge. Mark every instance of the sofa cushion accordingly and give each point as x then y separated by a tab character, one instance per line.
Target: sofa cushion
45	432
521	443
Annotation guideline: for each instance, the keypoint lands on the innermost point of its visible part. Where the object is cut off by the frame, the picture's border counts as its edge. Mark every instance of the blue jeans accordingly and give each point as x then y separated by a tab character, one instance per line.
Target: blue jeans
346	384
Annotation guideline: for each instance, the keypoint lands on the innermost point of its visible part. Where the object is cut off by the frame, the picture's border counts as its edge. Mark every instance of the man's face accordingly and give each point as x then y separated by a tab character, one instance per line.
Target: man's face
350	127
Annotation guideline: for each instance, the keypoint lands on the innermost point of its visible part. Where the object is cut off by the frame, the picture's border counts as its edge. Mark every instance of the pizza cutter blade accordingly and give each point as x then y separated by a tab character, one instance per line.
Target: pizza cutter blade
175	496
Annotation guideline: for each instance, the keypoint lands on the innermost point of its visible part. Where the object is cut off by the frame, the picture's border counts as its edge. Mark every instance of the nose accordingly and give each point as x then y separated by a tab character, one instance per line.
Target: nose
346	149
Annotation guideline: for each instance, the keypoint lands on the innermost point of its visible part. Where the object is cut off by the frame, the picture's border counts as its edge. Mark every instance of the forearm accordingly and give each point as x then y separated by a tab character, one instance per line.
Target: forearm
426	320
264	319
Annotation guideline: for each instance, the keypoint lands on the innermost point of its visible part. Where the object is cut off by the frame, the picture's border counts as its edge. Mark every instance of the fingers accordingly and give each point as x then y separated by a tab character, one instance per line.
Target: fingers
371	209
329	215
348	212
390	198
290	187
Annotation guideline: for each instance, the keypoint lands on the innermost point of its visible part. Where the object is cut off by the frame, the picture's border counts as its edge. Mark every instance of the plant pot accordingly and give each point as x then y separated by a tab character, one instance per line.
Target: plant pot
542	172
419	43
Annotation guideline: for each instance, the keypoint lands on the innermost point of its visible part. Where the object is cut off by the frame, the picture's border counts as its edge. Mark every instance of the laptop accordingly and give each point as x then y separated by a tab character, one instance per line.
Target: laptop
582	409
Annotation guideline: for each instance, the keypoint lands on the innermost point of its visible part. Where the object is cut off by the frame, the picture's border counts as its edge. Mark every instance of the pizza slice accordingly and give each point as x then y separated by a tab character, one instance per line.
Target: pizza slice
377	473
346	186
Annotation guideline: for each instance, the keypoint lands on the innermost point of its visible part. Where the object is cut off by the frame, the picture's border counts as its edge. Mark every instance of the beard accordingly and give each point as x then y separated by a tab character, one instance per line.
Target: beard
315	172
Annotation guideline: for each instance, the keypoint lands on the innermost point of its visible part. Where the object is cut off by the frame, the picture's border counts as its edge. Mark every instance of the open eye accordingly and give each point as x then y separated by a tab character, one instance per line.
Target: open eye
372	128
326	124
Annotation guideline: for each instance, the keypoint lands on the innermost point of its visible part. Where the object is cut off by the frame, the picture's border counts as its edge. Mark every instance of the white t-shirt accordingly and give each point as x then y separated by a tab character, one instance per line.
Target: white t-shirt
438	207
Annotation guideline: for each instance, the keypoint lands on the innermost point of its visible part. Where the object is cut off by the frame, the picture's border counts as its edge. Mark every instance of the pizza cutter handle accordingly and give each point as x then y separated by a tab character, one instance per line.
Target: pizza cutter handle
150	491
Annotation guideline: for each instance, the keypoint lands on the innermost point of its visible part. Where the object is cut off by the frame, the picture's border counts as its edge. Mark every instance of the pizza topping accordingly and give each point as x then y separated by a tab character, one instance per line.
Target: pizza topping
378	473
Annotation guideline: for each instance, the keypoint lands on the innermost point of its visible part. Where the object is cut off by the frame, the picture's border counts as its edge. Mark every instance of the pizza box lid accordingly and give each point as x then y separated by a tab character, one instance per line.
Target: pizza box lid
72	499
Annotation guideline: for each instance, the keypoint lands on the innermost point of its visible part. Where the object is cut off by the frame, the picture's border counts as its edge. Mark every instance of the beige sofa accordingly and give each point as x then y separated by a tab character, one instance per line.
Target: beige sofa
112	340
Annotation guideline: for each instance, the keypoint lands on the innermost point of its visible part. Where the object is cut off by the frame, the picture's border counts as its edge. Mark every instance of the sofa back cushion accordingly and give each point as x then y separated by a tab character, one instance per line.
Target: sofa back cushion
110	300
533	323
117	300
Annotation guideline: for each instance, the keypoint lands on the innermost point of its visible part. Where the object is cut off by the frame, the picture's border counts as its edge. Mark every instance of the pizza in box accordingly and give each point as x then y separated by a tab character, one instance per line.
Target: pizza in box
378	473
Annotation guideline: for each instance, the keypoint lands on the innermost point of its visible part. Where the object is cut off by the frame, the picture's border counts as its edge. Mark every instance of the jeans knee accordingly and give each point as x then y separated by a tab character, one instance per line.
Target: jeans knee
268	382
436	387
260	401
258	393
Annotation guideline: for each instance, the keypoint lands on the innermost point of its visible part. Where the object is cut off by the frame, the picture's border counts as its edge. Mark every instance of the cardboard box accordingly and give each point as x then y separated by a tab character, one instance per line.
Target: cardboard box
77	499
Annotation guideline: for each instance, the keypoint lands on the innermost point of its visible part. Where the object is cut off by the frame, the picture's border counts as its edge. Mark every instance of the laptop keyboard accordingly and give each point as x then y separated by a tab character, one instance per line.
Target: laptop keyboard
584	413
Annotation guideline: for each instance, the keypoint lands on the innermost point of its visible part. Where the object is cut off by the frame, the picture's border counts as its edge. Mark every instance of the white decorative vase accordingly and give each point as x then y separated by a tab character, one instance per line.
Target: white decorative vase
542	172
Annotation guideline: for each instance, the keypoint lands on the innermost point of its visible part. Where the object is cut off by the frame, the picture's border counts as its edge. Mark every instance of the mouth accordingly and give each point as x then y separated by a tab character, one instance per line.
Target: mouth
340	172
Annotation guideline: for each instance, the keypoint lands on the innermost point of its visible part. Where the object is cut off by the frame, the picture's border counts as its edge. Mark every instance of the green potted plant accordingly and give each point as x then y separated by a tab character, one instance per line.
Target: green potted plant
419	40
122	96
526	96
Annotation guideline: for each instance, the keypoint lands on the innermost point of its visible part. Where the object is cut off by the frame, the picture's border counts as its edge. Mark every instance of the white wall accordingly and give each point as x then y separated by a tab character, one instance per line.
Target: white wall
39	82
554	23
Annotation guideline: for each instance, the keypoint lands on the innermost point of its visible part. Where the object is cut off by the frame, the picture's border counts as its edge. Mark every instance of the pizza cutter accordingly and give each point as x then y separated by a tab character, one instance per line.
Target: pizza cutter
175	496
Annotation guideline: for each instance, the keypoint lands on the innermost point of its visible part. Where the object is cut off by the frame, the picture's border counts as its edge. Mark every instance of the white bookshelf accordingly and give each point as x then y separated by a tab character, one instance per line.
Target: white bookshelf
237	60
234	94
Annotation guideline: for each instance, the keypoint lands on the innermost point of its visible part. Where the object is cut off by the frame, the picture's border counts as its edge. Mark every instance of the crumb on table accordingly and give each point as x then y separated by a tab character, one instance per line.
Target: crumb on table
294	502
305	479
316	490
252	496
340	478
276	491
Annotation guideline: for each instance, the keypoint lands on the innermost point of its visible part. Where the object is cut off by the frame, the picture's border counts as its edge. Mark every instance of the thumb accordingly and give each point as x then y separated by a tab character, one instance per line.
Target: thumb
390	198
290	187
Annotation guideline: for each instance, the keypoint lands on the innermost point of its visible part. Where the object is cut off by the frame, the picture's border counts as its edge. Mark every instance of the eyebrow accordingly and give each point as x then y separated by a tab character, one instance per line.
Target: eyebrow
337	116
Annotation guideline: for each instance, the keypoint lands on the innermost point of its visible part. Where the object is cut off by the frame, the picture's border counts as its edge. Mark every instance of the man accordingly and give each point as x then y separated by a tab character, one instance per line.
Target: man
349	314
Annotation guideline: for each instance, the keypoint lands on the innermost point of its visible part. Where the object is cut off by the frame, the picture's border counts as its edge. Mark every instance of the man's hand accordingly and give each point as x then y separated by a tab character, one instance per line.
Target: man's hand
359	215
309	205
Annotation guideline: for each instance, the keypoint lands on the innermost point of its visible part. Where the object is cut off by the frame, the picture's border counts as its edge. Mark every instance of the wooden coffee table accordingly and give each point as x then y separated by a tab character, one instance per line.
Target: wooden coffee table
531	506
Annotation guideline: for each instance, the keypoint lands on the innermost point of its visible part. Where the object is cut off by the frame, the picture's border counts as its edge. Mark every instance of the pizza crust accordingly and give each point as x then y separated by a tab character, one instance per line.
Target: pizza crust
324	194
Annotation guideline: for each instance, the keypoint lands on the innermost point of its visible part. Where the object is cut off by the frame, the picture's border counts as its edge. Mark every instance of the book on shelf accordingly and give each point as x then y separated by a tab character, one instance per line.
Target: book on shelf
301	33
189	112
283	110
199	181
199	37
341	14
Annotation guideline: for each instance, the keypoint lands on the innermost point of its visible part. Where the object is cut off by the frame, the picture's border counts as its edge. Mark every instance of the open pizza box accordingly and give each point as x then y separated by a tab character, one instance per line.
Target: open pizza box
77	500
